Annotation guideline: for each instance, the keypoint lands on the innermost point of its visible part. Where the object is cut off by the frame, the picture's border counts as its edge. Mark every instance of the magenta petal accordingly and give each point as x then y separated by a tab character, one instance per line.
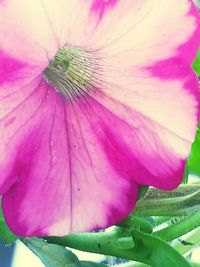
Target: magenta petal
99	7
26	32
145	152
64	179
151	130
68	167
16	73
153	90
10	68
17	110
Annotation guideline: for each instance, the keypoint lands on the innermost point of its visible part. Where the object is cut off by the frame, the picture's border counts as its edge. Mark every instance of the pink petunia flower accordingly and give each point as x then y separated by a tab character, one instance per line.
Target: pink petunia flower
96	98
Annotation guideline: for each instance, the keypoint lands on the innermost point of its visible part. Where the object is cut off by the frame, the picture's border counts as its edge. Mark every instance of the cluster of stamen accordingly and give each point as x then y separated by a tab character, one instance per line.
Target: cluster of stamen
72	72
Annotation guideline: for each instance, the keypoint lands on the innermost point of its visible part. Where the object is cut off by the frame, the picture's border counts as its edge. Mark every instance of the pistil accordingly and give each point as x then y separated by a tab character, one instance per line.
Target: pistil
71	72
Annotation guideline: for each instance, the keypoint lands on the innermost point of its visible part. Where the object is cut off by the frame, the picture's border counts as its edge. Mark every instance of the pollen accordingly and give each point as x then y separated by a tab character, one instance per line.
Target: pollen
73	72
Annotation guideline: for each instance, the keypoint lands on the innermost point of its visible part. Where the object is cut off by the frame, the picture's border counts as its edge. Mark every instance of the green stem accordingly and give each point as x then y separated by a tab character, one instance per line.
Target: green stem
122	243
161	219
195	264
193	240
137	223
133	264
138	264
118	243
90	264
180	228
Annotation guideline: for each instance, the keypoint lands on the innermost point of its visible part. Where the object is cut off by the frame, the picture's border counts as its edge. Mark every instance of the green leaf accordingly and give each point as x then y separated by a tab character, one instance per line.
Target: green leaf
196	63
194	158
143	191
180	202
50	254
5	234
156	252
192	240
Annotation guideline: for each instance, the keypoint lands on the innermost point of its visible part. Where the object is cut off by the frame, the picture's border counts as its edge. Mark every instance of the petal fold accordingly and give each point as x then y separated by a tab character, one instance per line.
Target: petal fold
64	181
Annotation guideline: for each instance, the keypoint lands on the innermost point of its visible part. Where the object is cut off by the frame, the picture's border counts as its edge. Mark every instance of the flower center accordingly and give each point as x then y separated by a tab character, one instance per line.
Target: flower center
71	72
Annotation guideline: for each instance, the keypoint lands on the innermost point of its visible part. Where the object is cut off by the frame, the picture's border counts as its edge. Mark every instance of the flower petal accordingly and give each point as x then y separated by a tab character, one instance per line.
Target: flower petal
57	156
113	25
152	88
61	178
138	37
34	32
17	109
152	153
26	31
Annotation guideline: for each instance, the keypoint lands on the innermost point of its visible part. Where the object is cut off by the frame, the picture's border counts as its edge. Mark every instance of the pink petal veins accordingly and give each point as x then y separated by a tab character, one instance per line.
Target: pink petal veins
63	159
99	7
76	166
